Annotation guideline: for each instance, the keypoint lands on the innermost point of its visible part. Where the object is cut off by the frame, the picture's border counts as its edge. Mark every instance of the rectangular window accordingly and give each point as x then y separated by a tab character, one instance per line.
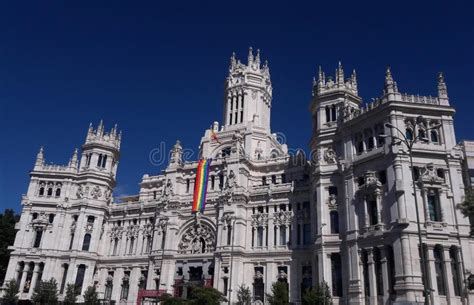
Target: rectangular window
259	236
282	235
187	185
241	116
264	180
439	269
38	236
63	280
372	210
283	178
336	274
81	271
306	234
213	182
434	208
230	119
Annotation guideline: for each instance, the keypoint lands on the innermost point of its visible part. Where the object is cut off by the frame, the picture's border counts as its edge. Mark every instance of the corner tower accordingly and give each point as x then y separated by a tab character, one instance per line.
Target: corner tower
332	99
248	92
100	153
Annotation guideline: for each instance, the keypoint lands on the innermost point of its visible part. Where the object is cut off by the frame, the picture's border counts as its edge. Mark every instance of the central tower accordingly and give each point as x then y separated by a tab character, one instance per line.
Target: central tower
248	92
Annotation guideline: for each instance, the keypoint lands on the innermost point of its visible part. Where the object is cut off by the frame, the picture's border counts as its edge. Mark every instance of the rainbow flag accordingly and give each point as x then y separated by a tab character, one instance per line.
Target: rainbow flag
200	187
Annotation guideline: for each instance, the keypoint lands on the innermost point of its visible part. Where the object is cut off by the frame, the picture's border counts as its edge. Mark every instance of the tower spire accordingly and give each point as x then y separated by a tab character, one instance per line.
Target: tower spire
442	90
354	80
40	158
257	58
233	61
73	160
340	75
100	129
250	56
390	86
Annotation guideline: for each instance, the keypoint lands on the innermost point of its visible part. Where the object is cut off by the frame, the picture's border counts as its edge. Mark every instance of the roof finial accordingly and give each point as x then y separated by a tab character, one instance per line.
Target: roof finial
73	160
100	129
250	56
257	57
442	88
390	86
354	80
233	61
40	158
340	75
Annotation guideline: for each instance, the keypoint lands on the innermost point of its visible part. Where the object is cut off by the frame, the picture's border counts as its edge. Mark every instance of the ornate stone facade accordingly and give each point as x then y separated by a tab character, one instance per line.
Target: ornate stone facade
345	216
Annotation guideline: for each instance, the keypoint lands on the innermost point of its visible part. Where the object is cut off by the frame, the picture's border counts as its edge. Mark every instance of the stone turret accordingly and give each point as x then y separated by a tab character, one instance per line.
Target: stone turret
248	92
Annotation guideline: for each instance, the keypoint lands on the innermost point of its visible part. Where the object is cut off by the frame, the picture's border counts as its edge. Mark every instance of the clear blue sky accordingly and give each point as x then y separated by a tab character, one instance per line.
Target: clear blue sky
158	69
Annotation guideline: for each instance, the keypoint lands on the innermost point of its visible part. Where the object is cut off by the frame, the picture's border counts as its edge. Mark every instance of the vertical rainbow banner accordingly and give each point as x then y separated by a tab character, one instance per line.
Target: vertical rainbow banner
200	186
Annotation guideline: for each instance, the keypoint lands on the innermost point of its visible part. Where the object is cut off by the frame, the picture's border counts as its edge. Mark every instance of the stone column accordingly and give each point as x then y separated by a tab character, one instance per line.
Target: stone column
34	279
26	269
449	274
431	278
385	275
372	279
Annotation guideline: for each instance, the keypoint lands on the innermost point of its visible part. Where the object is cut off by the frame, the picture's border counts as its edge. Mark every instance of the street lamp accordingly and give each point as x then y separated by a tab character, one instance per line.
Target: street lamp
409	142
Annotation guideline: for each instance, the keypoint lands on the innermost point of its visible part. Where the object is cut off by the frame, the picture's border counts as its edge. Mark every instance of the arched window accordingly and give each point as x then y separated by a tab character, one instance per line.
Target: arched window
328	114
230	119
188	183
81	271
58	192
87	242
274	179
41	191
455	269
334	217
99	160
50	191
409	134
365	272
434	136
104	161
439	269
333	113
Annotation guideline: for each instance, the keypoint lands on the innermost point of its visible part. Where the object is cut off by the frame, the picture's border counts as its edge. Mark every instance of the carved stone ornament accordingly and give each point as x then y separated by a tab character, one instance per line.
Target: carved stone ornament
148	230
89	227
227	220
132	231
96	192
80	192
197	239
282	218
116	232
282	275
41	221
109	279
168	189
258	275
259	220
430	175
162	223
330	156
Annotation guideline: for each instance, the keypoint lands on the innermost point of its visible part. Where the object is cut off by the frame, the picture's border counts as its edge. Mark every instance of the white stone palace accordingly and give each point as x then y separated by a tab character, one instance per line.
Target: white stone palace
346	215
